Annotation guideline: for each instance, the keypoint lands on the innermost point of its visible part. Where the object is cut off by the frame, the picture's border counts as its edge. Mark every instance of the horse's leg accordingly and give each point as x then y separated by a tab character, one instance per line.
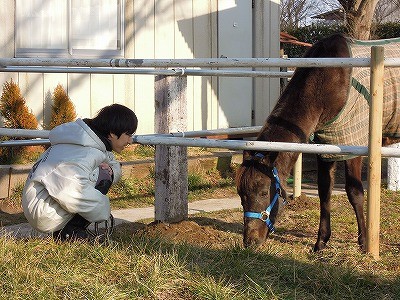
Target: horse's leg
326	179
355	193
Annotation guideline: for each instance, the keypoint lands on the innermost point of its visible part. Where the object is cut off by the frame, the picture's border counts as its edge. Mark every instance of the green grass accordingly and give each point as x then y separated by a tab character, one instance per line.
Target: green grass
202	184
208	261
140	265
131	192
14	201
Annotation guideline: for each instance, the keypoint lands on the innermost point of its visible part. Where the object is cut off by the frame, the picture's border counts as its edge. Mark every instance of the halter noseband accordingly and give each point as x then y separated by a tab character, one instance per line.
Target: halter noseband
264	215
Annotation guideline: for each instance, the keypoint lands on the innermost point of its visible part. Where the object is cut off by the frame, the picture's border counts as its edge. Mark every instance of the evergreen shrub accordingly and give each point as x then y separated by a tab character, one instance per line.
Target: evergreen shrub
313	33
16	115
62	110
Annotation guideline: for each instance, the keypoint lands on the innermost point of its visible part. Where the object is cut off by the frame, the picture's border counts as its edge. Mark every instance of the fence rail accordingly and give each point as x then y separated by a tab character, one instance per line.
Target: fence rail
137	71
198	62
191	139
377	62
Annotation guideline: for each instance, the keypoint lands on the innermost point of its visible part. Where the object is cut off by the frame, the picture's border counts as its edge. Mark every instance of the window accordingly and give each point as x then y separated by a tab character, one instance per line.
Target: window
72	28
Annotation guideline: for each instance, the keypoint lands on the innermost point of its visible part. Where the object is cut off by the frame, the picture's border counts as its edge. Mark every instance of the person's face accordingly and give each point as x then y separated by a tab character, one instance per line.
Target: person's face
119	143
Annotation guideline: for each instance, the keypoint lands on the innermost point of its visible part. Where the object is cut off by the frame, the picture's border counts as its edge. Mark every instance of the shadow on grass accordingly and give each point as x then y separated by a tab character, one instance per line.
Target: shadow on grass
219	224
267	274
7	219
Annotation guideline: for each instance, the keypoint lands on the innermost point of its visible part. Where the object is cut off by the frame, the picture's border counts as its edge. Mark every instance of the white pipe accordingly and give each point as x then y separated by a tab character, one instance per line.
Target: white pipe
178	139
169	72
212	132
31	133
198	62
261	145
17	143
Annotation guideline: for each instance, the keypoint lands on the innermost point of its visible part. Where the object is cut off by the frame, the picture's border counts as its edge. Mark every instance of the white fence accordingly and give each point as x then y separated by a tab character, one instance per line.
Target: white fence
169	91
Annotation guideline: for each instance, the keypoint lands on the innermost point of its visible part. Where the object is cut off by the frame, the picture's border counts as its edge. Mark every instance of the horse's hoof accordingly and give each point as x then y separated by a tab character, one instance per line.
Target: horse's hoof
363	249
319	246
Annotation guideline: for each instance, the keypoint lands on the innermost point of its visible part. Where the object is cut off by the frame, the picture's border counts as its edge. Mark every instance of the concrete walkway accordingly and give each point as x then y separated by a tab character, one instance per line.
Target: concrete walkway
24	230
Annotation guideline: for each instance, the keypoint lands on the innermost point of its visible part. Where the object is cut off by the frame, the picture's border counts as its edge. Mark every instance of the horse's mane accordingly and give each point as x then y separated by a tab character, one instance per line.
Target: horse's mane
298	111
334	45
244	178
248	172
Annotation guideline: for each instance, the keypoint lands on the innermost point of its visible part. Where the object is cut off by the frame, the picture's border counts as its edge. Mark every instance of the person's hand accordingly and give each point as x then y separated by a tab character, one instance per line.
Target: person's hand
105	166
105	178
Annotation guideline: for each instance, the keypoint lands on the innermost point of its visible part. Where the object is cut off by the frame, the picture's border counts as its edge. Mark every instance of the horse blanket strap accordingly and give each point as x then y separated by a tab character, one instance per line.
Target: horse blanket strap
351	125
264	215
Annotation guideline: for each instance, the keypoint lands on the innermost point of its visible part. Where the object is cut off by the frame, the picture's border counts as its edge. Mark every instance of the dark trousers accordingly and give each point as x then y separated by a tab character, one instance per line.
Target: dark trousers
76	228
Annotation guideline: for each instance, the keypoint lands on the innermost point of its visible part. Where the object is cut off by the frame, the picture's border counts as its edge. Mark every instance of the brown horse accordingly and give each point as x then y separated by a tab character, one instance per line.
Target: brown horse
313	97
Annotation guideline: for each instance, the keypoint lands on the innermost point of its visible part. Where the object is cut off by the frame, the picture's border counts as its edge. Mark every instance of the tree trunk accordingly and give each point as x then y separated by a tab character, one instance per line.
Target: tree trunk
359	16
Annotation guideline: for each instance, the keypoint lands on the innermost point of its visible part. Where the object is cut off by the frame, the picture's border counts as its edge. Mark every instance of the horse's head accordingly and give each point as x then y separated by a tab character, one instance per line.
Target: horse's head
262	196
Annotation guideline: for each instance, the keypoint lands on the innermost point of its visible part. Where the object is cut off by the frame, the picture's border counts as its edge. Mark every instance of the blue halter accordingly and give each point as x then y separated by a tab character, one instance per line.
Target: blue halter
264	215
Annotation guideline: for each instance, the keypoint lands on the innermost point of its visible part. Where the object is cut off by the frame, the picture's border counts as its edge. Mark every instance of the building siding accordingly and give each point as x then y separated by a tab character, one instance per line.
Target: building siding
161	29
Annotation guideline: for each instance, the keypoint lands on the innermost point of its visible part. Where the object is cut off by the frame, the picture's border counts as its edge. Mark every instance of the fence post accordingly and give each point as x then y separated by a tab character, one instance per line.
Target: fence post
297	170
171	180
393	171
374	150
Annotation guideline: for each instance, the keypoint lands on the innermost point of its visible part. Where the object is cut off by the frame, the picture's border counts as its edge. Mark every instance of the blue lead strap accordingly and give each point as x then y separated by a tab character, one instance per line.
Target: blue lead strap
270	225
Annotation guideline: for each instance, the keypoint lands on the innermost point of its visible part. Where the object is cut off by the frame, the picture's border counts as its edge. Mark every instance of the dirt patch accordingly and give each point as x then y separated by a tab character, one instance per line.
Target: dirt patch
11	215
204	231
221	232
187	232
302	203
217	233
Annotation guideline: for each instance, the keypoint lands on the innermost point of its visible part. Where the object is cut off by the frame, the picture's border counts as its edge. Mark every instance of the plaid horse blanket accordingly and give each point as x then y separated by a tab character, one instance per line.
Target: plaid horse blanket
351	125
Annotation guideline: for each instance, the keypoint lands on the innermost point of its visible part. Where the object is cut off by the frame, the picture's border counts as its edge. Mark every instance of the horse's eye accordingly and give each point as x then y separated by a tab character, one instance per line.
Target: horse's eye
264	194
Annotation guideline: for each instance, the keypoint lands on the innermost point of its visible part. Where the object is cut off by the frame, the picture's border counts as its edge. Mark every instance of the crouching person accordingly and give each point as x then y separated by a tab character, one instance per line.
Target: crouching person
66	188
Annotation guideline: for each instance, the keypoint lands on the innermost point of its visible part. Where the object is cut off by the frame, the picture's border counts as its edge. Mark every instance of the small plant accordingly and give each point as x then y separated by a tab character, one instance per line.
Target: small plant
16	115
15	199
145	151
14	110
62	110
196	181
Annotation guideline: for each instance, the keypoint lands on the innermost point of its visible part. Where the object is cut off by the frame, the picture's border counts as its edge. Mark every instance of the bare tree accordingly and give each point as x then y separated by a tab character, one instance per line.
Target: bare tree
359	15
294	13
386	10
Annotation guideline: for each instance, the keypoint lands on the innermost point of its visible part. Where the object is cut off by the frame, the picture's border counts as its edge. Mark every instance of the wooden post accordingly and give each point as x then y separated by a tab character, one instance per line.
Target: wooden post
297	176
171	180
374	150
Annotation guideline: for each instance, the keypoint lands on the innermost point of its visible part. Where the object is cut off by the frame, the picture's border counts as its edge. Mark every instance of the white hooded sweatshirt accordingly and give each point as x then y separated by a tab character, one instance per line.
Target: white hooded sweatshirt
62	182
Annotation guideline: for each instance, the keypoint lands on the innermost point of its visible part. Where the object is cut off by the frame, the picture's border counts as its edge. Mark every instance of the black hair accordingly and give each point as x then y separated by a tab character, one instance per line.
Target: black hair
116	119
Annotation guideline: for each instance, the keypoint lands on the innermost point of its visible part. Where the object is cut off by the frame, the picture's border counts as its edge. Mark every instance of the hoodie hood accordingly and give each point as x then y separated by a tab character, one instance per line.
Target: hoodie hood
78	133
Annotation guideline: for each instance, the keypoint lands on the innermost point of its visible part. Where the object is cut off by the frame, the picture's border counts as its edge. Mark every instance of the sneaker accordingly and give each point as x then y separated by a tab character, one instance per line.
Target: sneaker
74	230
71	233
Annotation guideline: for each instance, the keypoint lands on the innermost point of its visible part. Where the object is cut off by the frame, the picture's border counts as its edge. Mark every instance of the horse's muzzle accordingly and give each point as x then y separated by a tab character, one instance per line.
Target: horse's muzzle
255	233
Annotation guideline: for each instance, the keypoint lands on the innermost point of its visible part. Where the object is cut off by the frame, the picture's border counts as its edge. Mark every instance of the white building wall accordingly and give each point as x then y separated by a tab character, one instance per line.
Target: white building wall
235	40
169	29
266	32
